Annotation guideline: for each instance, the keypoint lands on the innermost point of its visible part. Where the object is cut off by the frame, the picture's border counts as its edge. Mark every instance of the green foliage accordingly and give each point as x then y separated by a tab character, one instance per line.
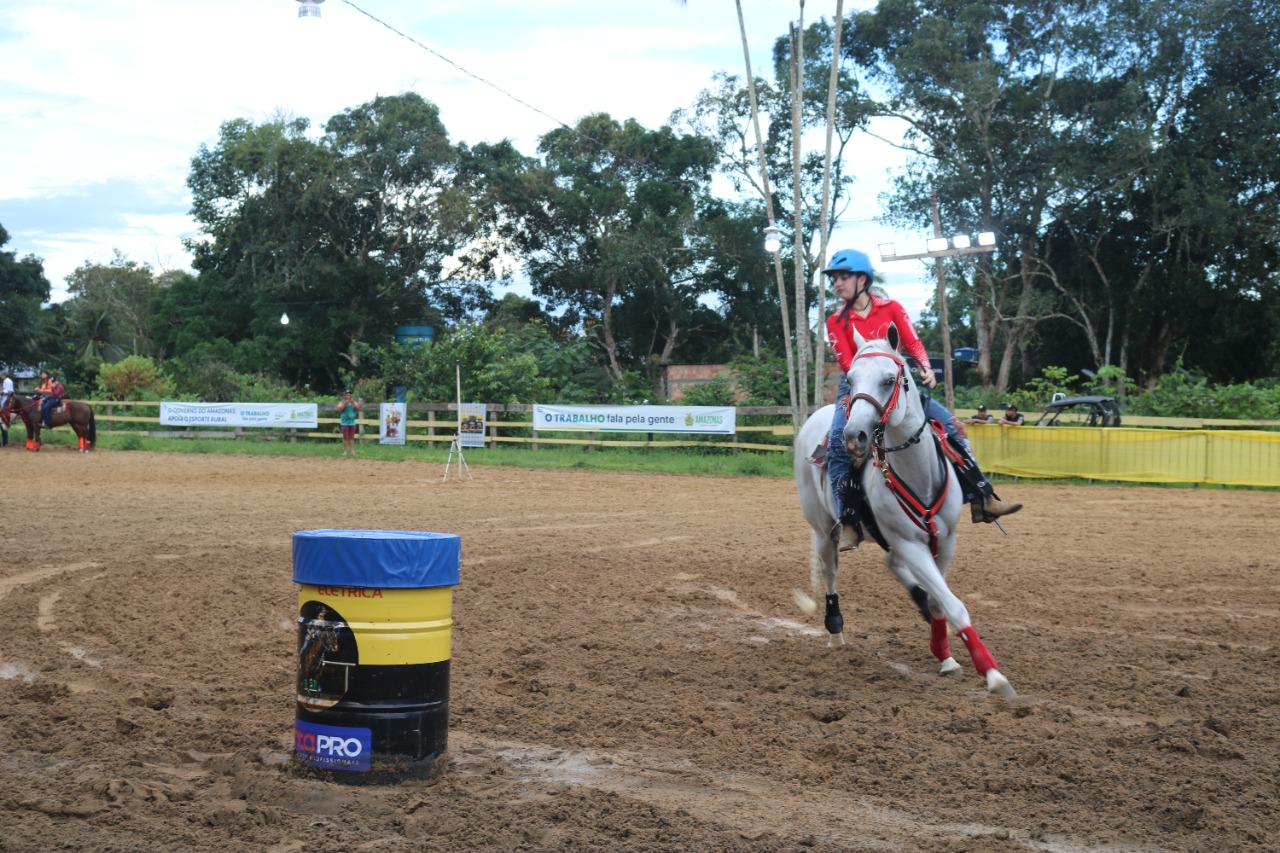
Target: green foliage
109	312
1040	390
1111	381
763	379
717	391
372	390
219	371
496	371
1180	393
134	378
23	288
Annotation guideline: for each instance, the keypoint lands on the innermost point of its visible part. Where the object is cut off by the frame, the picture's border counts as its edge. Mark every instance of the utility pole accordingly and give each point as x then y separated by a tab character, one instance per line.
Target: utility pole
942	311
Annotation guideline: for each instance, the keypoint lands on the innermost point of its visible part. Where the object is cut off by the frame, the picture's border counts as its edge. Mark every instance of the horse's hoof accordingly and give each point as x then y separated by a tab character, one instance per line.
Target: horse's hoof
997	683
949	666
835	640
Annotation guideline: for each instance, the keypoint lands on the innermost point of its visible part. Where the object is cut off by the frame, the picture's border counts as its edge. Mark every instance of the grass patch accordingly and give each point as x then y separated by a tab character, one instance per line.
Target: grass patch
744	463
695	461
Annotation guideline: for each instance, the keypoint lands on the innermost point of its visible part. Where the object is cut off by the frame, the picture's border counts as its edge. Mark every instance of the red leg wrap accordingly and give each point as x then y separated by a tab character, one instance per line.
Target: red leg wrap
938	642
983	660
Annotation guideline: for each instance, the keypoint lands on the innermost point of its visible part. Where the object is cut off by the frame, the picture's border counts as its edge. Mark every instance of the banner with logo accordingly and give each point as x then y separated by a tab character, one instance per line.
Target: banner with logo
392	420
471	424
692	419
283	415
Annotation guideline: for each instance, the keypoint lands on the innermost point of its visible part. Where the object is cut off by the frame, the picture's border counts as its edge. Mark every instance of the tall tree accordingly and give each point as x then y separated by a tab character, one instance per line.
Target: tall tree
609	216
23	289
347	234
1088	137
109	309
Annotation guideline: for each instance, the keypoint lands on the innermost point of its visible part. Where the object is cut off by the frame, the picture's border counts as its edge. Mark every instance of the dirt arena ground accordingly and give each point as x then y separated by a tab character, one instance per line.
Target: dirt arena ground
630	672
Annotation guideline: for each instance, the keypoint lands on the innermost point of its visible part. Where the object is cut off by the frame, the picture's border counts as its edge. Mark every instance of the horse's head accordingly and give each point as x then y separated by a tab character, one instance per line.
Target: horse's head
880	387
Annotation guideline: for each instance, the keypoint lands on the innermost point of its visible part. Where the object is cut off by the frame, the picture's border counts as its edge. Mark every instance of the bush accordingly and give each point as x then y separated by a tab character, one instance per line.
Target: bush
134	378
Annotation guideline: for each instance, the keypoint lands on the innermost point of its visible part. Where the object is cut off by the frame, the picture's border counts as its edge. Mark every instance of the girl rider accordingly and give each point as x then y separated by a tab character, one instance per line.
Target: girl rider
851	274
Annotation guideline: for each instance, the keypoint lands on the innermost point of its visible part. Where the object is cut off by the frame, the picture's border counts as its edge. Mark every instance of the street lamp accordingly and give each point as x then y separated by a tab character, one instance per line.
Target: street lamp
284	318
773	239
939	247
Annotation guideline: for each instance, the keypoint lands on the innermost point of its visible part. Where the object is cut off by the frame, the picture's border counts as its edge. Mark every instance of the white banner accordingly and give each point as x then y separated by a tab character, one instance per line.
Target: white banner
282	415
694	419
471	424
392	420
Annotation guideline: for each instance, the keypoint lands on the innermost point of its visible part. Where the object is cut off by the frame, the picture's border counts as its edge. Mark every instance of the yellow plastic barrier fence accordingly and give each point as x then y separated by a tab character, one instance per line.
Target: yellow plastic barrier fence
1219	457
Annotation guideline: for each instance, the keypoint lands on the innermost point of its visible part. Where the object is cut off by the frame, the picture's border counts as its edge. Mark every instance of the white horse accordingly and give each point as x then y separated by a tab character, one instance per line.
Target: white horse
914	496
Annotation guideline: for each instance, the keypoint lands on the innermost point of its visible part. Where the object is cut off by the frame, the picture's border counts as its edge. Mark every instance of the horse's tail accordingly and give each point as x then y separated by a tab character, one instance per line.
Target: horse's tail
93	428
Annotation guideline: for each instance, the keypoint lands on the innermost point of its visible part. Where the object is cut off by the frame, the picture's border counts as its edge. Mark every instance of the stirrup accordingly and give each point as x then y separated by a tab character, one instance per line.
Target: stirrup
850	537
847	535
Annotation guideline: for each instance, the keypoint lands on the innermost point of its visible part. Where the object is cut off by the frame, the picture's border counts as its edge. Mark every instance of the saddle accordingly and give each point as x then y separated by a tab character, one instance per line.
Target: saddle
50	412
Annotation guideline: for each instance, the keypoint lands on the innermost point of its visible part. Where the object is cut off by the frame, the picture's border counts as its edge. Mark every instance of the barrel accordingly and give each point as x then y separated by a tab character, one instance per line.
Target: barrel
374	630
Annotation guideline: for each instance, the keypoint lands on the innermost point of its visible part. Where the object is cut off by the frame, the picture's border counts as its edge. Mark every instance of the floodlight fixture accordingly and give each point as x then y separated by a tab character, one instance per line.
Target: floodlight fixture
284	318
887	250
936	244
960	241
987	238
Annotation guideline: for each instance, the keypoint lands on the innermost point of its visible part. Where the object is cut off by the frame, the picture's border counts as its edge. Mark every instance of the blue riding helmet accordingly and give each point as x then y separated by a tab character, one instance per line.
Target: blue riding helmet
850	260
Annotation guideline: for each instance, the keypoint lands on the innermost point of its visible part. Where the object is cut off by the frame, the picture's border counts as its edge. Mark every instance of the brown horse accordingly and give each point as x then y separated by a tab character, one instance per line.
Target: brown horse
79	415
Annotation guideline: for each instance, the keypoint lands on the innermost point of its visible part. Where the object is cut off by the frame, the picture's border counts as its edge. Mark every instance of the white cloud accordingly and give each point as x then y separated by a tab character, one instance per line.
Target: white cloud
107	102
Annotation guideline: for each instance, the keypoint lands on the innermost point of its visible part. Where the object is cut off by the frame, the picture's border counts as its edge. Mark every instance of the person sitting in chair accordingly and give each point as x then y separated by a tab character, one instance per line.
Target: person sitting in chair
851	275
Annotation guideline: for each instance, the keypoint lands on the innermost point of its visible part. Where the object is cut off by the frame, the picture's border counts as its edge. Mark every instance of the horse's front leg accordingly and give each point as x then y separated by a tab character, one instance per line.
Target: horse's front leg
939	642
914	560
823	568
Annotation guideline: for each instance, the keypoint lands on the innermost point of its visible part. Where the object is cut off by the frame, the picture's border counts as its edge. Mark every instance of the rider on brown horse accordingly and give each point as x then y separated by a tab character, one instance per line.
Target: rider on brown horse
50	394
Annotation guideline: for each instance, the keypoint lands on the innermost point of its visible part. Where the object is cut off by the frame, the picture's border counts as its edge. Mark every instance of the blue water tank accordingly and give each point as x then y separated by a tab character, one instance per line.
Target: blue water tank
414	335
969	354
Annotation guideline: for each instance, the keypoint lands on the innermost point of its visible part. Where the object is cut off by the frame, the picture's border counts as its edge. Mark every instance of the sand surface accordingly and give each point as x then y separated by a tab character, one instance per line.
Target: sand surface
629	670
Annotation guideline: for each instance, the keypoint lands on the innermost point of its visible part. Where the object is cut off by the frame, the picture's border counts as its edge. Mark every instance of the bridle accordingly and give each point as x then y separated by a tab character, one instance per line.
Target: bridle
922	513
10	409
901	383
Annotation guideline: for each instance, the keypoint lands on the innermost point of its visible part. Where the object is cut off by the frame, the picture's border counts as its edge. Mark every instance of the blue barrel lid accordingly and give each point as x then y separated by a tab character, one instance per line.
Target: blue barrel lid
385	559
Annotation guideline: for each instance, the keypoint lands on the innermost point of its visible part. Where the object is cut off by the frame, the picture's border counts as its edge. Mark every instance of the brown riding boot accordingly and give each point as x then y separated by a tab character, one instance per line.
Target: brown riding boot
846	535
850	537
990	507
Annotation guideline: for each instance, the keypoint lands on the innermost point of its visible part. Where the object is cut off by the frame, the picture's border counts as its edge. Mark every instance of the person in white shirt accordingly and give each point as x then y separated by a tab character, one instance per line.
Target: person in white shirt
6	391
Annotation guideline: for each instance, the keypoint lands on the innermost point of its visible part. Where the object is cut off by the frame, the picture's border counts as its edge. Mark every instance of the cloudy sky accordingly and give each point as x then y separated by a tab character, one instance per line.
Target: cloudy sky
105	102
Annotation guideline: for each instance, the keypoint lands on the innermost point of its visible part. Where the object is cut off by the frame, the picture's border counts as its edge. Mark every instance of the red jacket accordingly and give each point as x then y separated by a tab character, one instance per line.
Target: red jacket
874	326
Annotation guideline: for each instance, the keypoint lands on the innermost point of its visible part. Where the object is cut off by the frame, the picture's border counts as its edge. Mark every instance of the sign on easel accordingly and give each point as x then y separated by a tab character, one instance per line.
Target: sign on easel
460	440
471	424
392	418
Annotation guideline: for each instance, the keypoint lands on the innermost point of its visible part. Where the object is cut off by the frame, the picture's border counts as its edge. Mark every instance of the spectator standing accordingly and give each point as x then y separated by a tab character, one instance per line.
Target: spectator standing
348	412
6	391
982	416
